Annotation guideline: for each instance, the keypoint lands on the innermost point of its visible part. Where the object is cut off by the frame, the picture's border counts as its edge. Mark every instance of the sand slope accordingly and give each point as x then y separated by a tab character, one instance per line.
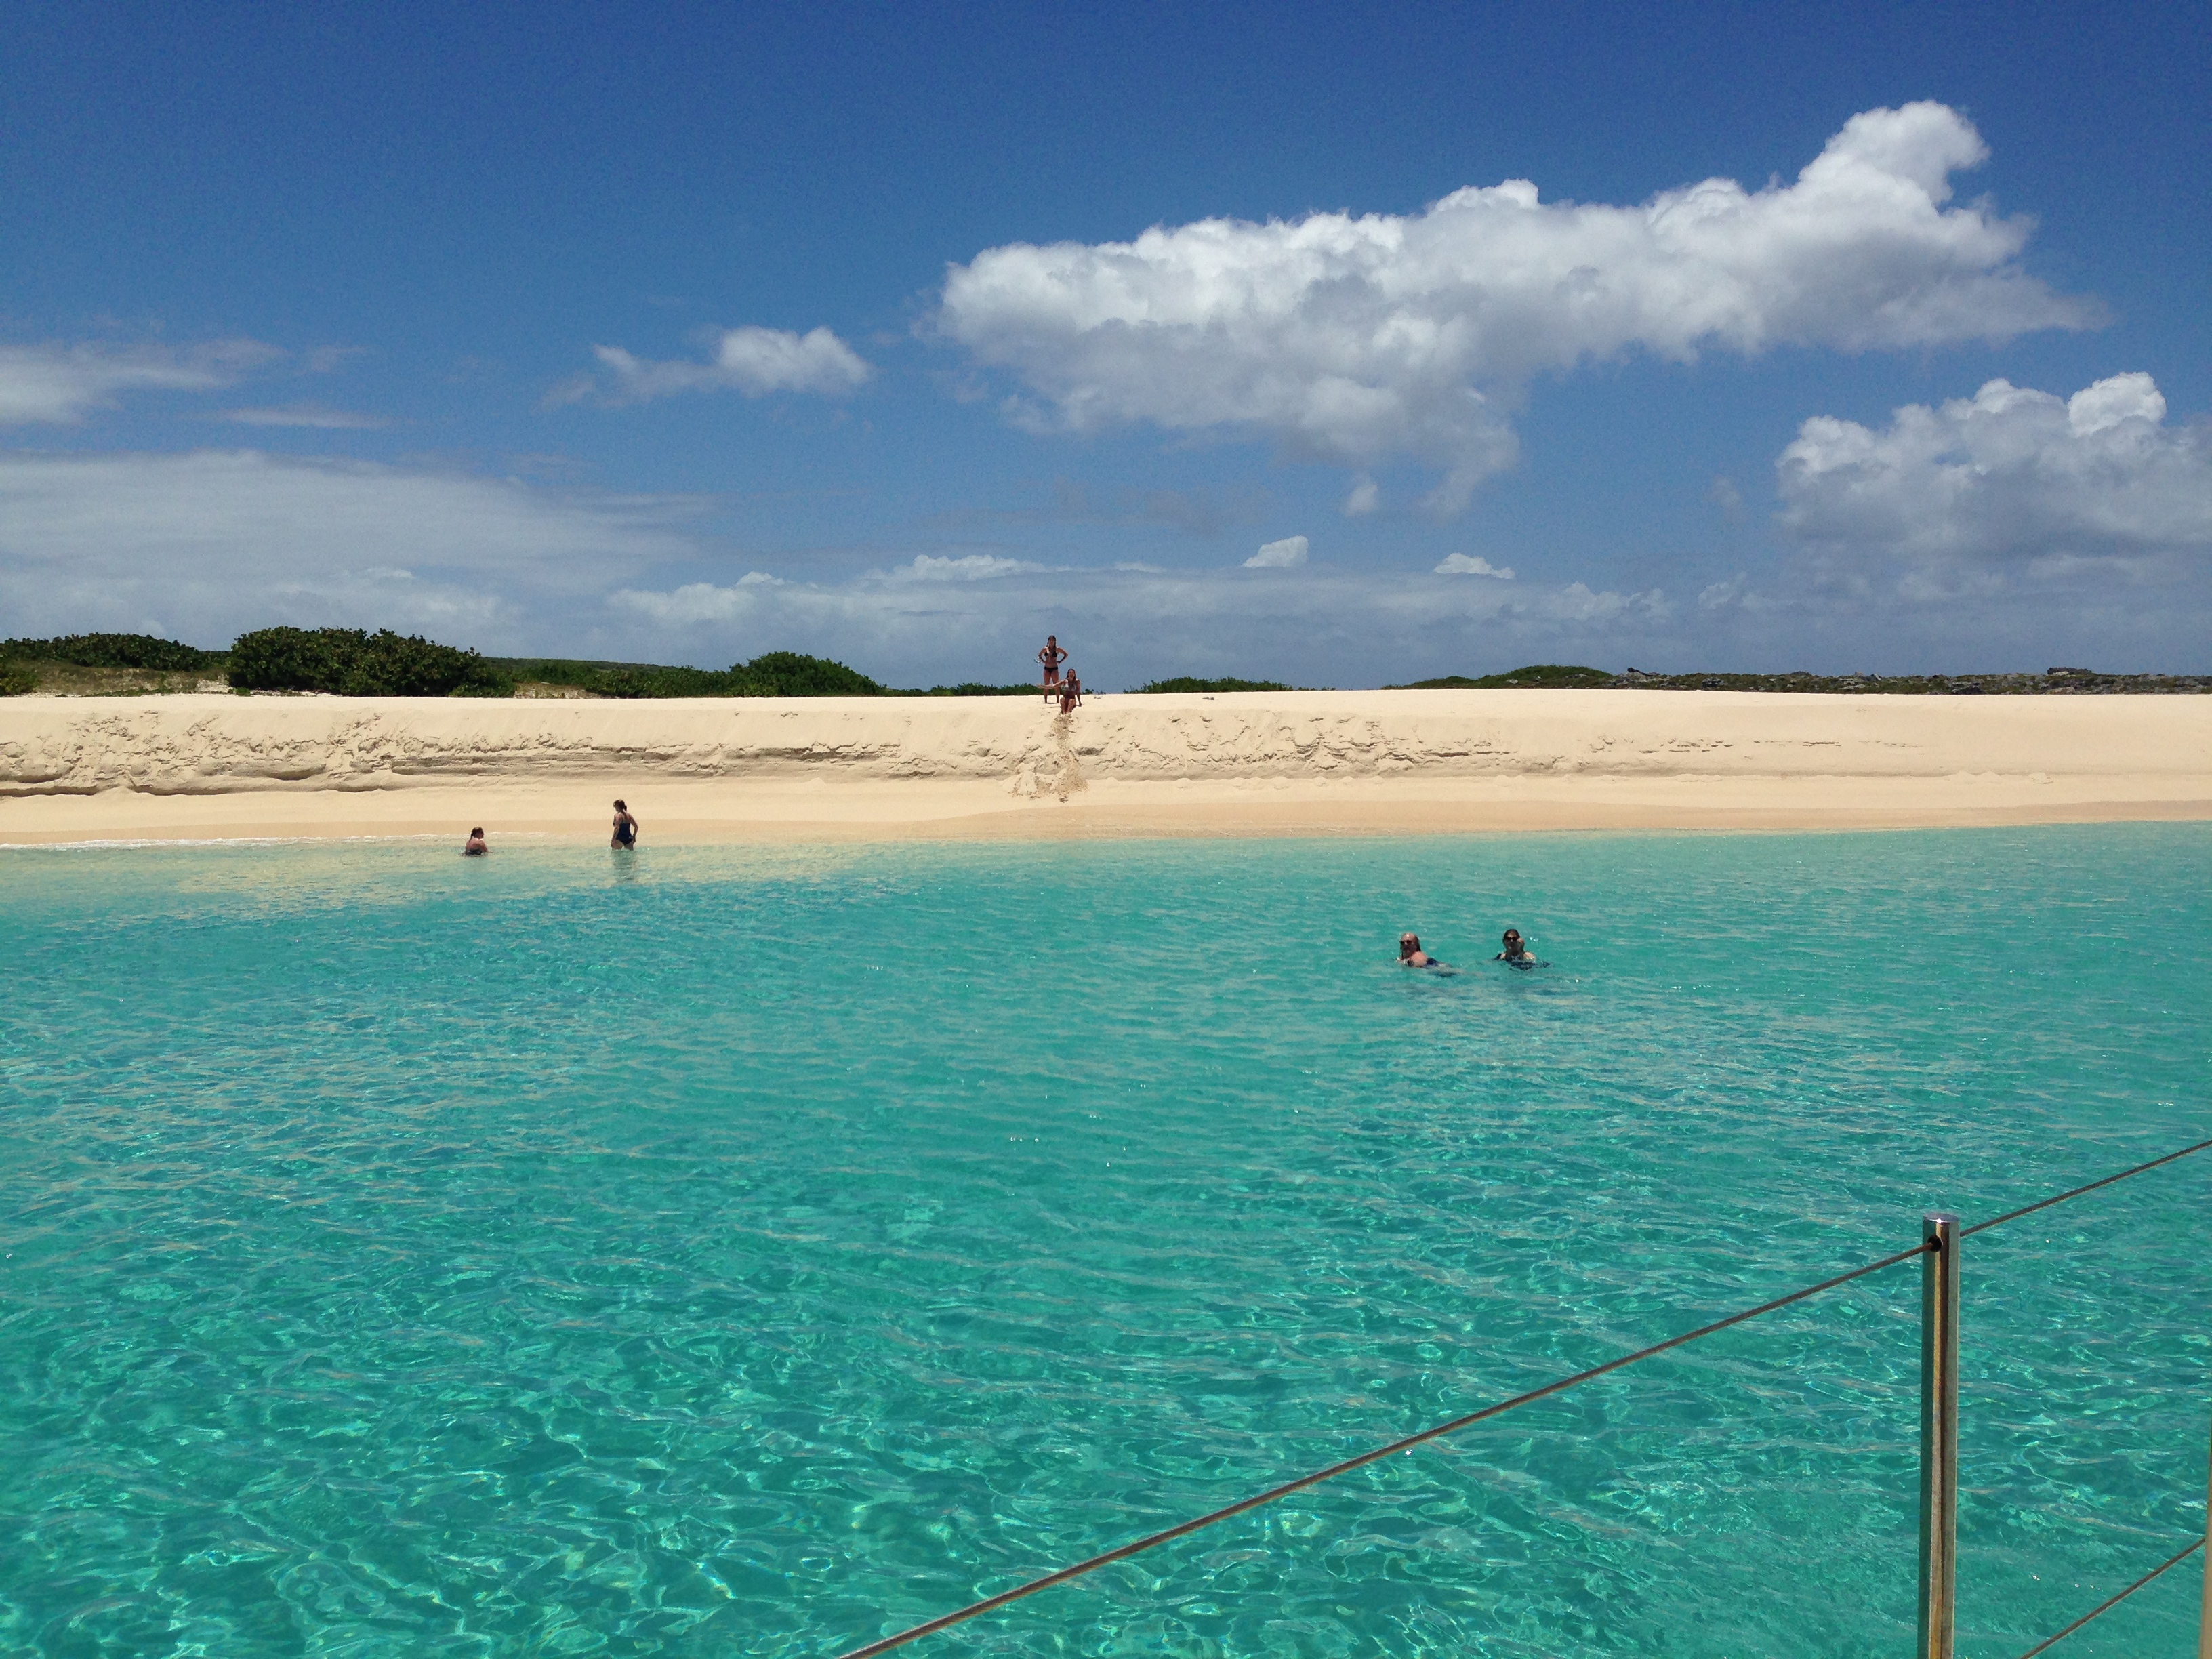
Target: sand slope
77	767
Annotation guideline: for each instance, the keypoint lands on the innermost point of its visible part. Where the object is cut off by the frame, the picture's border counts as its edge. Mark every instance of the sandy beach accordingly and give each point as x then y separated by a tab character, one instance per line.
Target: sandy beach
194	767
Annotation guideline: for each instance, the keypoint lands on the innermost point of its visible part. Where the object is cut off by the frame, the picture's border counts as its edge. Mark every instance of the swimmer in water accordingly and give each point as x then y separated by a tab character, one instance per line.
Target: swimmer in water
625	828
1516	953
475	848
1410	954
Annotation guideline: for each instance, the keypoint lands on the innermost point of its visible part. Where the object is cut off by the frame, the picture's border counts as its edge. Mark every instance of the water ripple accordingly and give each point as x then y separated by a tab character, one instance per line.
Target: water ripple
739	1252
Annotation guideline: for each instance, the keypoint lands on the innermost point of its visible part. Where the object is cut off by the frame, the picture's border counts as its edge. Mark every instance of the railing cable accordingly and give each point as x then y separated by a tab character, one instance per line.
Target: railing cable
2044	1204
991	1604
2106	1606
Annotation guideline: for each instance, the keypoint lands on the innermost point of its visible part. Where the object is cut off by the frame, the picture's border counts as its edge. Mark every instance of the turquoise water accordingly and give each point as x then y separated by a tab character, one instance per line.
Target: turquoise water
733	1252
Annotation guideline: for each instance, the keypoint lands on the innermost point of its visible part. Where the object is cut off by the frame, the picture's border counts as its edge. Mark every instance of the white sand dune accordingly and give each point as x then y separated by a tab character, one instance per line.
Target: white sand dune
80	769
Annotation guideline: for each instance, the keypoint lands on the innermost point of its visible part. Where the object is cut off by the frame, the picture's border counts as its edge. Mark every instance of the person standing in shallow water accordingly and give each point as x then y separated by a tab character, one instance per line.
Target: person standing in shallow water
1052	656
625	827
475	846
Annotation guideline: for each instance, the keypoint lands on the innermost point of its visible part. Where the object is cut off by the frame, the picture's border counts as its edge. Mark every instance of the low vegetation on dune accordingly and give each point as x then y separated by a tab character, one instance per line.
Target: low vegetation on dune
2050	682
1185	683
1541	673
95	663
774	674
116	651
348	662
352	662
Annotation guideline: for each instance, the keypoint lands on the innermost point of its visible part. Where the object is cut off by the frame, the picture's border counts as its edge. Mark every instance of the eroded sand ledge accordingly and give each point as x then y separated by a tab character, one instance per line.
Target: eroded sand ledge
1356	761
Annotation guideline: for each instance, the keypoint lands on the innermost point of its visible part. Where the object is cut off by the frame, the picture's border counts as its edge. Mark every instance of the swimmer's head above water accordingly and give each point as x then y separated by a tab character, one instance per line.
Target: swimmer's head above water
1410	954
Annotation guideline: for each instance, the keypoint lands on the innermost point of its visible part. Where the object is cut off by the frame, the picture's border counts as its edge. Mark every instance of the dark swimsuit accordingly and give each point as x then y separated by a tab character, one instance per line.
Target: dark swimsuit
626	833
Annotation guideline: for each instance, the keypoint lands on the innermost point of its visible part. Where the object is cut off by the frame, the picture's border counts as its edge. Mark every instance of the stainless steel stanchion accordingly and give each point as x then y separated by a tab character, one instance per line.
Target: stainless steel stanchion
1939	1435
2204	1614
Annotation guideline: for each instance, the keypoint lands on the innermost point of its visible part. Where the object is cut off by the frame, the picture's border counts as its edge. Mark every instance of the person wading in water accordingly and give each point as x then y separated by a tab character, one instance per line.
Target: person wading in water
1410	954
625	828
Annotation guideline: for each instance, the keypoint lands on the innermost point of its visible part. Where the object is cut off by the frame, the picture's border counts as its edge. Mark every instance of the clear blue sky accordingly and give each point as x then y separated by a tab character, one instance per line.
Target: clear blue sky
501	324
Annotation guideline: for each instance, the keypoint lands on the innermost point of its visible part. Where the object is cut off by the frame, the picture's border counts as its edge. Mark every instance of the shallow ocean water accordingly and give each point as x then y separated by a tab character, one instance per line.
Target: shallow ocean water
750	1252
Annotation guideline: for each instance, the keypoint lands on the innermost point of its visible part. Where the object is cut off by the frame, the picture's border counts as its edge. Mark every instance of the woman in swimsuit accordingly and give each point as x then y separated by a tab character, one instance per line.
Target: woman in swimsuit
625	828
475	848
1516	950
1052	656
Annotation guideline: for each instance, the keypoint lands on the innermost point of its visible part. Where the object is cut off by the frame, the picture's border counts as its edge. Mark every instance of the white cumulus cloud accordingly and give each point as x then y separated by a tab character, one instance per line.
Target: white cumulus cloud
61	384
314	415
202	545
964	567
1468	564
1284	555
697	604
2010	477
752	360
1351	338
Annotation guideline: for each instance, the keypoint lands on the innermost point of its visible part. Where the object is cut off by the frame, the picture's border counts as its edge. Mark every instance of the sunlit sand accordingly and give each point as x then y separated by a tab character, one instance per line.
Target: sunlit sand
1247	763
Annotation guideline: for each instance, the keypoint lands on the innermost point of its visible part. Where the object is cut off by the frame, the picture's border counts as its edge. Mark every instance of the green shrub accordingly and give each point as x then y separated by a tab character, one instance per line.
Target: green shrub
1539	674
1185	683
974	688
115	651
650	682
789	674
556	671
16	680
353	664
773	674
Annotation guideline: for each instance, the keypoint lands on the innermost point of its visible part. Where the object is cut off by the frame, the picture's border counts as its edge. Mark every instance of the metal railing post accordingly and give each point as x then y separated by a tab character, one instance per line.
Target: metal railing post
1939	1435
2204	1614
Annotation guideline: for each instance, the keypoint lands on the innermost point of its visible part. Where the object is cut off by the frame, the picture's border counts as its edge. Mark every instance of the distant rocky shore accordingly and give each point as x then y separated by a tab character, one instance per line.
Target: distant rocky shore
2051	681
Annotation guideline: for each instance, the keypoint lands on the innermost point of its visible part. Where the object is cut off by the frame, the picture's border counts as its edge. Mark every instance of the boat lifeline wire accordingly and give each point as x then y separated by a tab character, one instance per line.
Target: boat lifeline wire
2107	1606
1138	1546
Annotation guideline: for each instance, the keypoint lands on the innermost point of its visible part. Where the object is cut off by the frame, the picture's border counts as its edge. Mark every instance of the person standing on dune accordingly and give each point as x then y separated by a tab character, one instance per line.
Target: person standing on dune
1052	656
